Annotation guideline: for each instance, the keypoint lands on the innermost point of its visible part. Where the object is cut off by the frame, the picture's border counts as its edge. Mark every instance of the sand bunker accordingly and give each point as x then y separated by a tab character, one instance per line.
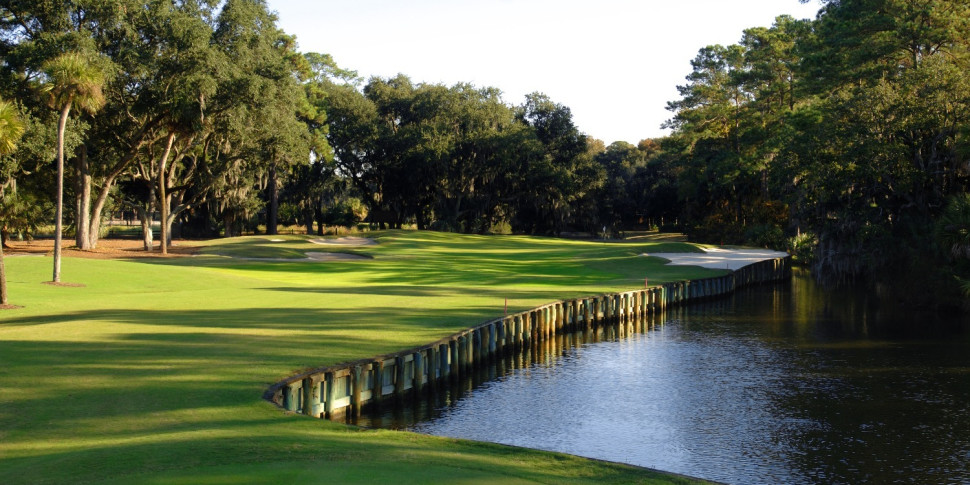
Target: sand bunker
313	256
346	241
310	257
720	258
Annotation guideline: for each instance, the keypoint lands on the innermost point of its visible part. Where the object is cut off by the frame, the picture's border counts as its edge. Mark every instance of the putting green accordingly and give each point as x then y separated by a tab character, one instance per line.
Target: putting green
153	372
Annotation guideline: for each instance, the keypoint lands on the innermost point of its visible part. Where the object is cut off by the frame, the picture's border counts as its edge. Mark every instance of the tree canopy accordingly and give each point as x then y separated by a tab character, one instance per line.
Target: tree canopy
842	138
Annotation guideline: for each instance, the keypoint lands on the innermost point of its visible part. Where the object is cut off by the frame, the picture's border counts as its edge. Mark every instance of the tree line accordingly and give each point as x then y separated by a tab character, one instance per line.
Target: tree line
842	139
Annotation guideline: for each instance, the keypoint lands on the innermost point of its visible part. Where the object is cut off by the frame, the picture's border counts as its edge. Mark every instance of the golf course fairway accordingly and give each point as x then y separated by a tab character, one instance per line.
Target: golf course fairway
154	370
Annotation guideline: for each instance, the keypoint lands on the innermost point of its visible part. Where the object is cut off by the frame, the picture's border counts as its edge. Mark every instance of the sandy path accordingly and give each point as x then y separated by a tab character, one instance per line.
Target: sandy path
717	258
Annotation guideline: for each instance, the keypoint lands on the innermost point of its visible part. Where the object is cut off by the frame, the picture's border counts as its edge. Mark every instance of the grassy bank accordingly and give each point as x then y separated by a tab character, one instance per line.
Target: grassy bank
153	372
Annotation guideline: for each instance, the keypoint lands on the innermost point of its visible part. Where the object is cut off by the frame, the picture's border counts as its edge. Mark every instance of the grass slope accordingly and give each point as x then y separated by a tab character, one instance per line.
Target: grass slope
153	372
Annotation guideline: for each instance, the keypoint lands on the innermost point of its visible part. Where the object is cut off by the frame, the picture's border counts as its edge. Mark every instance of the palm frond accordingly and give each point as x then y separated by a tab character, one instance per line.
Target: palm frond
75	78
11	128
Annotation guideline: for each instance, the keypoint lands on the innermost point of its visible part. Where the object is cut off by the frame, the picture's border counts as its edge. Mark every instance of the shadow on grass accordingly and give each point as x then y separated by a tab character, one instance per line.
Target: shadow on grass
285	450
498	294
373	318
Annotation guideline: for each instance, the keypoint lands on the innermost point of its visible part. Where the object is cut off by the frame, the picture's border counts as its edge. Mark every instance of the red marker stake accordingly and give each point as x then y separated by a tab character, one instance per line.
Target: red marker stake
645	284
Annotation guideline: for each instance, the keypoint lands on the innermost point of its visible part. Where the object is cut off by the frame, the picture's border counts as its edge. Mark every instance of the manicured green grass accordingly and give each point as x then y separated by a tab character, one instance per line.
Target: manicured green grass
153	372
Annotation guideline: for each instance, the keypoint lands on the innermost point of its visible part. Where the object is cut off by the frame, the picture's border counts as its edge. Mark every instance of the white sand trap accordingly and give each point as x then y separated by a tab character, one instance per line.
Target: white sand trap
346	241
277	240
313	256
720	258
310	257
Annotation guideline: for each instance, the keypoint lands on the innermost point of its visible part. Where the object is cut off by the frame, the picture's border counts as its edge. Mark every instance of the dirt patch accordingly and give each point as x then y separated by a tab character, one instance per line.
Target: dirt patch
346	241
107	249
64	284
9	307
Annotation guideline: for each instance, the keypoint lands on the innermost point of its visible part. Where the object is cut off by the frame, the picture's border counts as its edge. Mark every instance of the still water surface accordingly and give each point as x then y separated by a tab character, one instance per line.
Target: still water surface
775	384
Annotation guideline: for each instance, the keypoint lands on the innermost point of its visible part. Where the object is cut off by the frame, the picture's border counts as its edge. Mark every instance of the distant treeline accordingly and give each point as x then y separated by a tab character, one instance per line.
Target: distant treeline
842	139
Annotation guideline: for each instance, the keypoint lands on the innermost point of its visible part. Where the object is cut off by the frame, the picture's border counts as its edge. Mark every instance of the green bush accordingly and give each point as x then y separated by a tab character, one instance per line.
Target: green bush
501	227
802	247
765	236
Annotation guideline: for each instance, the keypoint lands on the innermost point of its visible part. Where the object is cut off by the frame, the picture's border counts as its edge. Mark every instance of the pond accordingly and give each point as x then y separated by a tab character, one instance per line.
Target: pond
775	384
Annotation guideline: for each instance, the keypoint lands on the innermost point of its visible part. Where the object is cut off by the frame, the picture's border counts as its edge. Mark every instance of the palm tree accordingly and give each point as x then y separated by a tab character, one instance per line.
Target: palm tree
73	81
10	130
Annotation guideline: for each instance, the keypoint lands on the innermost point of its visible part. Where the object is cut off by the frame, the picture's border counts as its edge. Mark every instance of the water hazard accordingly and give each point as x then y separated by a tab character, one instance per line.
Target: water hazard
775	384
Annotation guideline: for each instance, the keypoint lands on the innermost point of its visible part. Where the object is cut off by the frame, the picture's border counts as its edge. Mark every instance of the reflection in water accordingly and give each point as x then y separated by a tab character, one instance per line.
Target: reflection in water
782	384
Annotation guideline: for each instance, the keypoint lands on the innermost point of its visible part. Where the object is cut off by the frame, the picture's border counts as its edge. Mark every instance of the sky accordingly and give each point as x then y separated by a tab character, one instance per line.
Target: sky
614	63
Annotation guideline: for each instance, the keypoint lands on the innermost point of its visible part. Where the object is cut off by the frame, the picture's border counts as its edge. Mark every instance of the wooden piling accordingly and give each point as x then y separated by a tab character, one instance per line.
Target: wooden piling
420	377
329	381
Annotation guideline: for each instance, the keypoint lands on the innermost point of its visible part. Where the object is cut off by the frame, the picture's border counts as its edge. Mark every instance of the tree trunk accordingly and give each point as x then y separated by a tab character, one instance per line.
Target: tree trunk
229	221
318	215
82	238
162	198
3	278
145	217
59	213
274	202
95	218
308	219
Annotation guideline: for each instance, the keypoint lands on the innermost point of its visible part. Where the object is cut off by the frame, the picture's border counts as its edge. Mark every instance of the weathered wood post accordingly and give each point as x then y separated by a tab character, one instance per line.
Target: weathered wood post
378	392
454	361
528	327
463	350
643	302
532	321
516	332
541	324
550	317
329	393
627	299
614	309
546	313
575	316
635	298
443	358
507	339
492	338
301	393
399	377
419	372
476	350
558	320
291	396
614	306
568	314
356	386
432	367
621	313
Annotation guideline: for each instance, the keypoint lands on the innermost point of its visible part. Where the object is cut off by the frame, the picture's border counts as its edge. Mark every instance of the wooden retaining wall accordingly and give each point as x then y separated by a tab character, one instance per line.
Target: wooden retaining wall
334	391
